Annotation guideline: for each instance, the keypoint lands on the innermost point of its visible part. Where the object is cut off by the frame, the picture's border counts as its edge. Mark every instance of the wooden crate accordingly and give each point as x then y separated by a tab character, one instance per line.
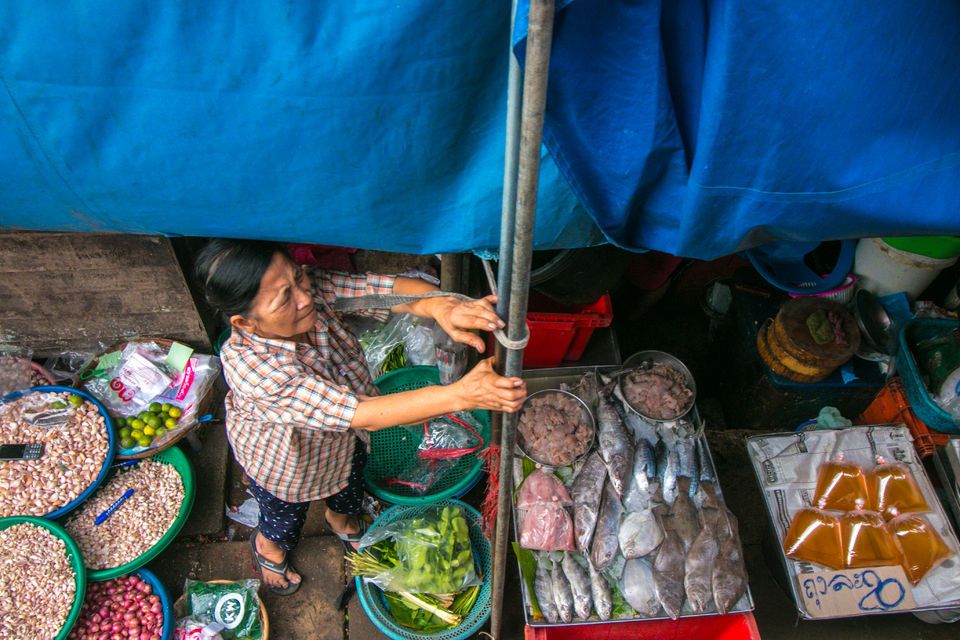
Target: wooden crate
63	291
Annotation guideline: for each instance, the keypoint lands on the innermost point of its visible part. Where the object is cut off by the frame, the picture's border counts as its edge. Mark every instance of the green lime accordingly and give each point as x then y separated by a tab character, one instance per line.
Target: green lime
144	441
154	407
138	424
160	431
143	415
169	423
166	407
136	434
153	421
125	432
149	431
75	400
175	412
127	443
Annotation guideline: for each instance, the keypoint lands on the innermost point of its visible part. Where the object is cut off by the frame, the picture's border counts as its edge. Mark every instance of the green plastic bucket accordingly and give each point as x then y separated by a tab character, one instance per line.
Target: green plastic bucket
172	456
392	449
936	247
76	563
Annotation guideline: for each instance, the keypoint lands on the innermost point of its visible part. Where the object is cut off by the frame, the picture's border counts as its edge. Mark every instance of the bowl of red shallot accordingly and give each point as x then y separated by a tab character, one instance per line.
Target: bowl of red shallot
555	428
657	386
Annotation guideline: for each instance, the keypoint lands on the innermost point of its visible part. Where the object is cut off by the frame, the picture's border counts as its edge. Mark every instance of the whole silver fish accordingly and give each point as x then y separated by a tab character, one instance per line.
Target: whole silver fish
643	478
640	534
585	492
600	589
729	573
710	498
683	515
588	390
638	588
707	472
698	571
667	471
605	540
543	586
562	594
668	573
688	464
579	584
615	445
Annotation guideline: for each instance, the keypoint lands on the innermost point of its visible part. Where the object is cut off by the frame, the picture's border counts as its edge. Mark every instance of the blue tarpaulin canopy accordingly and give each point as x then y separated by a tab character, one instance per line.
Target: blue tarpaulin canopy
690	126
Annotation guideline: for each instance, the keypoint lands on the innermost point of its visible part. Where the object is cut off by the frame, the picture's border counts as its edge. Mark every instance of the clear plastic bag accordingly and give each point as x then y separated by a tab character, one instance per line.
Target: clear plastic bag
418	344
547	527
841	485
16	371
893	490
445	440
192	629
921	547
814	536
130	385
432	549
866	540
542	487
66	367
383	344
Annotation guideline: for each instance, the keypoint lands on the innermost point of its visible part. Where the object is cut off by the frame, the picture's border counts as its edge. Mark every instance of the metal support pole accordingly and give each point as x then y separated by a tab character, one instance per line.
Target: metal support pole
539	34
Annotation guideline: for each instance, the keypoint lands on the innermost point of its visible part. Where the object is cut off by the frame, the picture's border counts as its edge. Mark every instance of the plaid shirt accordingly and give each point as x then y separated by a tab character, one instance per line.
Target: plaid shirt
290	404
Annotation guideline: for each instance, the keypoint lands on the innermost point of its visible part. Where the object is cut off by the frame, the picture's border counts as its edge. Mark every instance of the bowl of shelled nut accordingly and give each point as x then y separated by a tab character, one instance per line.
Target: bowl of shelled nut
42	579
134	515
64	448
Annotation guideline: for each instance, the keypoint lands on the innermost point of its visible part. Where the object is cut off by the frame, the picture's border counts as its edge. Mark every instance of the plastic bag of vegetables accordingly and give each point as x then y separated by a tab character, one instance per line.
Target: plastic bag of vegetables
427	553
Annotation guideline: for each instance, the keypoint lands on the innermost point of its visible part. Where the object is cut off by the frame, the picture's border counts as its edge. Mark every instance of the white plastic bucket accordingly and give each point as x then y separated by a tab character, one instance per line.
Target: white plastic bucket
883	269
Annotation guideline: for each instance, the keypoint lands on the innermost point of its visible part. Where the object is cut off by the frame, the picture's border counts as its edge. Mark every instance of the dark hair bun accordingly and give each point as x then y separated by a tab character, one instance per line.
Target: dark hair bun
229	271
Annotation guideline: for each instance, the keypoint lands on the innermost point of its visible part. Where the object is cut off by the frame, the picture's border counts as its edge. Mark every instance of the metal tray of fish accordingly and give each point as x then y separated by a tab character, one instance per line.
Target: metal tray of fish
946	461
642	567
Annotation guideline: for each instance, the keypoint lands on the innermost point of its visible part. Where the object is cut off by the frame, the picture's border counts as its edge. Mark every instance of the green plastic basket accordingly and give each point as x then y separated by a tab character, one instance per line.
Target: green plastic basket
76	563
172	456
392	449
375	605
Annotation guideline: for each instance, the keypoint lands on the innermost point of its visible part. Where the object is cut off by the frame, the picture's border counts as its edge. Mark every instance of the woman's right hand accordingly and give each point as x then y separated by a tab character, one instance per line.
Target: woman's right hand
484	388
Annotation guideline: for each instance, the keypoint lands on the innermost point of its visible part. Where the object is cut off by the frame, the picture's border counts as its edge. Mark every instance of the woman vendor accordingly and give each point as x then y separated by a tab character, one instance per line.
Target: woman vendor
301	399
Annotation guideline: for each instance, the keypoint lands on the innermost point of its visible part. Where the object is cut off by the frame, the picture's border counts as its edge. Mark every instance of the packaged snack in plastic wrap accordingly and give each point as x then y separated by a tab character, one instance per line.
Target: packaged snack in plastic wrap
139	375
430	552
232	605
921	547
893	490
866	540
547	527
840	485
814	536
193	629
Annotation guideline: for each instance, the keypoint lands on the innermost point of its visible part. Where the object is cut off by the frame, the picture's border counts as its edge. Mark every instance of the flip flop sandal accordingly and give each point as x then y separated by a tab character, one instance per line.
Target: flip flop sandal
349	539
280	568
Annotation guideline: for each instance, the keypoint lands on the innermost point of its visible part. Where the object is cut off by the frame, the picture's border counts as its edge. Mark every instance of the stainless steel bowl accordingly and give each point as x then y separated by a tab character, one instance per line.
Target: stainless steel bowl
644	360
877	330
586	414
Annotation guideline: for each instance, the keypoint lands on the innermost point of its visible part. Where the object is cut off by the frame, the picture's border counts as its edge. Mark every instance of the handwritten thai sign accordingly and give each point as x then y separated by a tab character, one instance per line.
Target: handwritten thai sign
855	591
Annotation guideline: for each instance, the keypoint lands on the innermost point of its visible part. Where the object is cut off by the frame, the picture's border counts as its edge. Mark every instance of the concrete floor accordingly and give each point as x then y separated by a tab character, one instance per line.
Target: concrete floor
214	547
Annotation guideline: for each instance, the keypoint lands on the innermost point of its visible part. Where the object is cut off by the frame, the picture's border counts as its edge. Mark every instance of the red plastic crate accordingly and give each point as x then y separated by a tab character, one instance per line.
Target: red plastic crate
559	333
734	626
892	405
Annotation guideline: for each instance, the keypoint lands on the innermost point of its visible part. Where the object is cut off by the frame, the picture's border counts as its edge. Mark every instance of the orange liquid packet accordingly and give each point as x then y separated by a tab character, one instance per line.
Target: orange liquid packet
894	490
841	486
921	548
814	536
866	541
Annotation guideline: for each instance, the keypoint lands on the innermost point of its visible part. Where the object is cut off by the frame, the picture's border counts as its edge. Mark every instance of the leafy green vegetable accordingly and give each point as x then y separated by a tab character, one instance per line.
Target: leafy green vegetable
528	466
409	615
621	608
528	572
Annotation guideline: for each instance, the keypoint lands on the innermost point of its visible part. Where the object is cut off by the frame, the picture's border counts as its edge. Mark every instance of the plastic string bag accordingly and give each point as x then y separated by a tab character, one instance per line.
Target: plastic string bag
893	490
921	547
866	540
445	441
814	536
